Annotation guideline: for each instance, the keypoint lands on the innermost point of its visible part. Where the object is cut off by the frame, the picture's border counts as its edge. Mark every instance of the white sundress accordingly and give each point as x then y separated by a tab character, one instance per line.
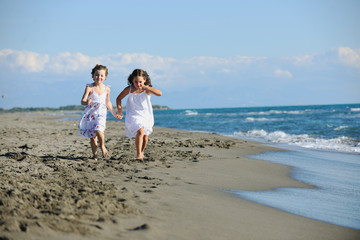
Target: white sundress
94	116
139	114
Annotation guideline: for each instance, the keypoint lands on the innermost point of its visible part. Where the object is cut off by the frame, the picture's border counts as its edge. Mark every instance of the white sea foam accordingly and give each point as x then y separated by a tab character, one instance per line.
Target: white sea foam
191	113
340	128
273	112
355	109
251	119
341	144
234	114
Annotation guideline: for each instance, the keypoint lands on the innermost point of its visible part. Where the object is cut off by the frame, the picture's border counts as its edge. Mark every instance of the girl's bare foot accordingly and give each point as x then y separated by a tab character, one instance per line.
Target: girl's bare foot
140	157
95	157
104	151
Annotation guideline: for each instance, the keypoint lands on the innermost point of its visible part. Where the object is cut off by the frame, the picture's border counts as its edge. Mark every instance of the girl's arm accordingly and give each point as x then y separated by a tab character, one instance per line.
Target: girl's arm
151	90
123	94
85	100
108	103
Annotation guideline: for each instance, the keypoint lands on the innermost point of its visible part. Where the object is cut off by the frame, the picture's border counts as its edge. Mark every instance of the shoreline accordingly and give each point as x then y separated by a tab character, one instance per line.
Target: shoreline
51	190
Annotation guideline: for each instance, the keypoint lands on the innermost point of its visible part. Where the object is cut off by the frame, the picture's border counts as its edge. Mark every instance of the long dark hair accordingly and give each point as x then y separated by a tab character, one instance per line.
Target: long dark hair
139	73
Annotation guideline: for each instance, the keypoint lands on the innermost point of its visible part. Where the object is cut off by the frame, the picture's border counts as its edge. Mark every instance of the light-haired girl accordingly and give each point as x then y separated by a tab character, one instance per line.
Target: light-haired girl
97	100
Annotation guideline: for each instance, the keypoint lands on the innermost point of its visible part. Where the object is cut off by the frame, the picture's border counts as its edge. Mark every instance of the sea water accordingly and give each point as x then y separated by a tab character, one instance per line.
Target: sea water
324	144
327	127
336	177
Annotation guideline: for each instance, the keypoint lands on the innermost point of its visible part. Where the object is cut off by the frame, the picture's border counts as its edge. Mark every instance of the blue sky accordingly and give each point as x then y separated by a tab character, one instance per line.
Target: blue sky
201	54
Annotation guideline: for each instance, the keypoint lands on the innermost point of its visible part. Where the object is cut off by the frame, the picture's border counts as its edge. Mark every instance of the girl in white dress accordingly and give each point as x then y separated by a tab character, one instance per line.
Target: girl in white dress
97	99
139	119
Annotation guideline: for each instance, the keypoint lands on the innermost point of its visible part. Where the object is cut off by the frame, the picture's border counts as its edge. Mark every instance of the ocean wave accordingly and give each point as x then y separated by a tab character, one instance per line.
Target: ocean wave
252	113
273	112
340	128
355	109
251	119
232	114
191	113
341	144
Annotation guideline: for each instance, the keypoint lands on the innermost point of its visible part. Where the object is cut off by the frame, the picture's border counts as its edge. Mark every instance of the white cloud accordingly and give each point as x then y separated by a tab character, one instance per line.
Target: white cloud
71	62
254	75
28	61
349	56
226	70
303	60
170	71
283	73
139	59
215	61
248	60
124	63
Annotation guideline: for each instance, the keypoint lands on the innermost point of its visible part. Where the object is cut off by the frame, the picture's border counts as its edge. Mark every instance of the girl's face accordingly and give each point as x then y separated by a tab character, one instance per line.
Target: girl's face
99	76
138	82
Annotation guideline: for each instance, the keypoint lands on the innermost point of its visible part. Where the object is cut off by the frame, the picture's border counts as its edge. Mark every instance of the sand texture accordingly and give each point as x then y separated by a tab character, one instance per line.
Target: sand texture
52	189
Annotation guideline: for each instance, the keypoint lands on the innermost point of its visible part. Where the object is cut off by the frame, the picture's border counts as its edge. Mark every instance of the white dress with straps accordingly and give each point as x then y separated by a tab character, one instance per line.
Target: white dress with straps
139	114
94	117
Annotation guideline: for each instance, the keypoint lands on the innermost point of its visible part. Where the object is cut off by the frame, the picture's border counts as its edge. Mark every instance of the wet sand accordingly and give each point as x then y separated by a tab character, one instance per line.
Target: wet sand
52	189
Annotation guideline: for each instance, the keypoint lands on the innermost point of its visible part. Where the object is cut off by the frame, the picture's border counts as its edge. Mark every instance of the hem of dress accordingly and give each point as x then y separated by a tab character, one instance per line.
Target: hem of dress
134	136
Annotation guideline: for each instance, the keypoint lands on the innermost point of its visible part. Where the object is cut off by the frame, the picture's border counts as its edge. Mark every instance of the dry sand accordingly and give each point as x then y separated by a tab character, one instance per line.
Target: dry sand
51	189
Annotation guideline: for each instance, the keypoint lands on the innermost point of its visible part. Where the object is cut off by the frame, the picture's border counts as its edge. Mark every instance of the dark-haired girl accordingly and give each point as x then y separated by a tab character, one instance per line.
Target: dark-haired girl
139	120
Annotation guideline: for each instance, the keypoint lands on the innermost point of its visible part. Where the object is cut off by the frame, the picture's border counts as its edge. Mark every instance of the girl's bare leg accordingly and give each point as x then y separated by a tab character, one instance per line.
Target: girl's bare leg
93	144
145	141
102	143
139	140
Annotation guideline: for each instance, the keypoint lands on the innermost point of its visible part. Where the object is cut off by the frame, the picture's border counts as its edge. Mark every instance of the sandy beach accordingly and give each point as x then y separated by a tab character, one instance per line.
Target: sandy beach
52	189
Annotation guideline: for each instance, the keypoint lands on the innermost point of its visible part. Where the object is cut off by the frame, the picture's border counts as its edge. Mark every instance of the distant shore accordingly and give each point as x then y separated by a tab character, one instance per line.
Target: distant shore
51	189
64	108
